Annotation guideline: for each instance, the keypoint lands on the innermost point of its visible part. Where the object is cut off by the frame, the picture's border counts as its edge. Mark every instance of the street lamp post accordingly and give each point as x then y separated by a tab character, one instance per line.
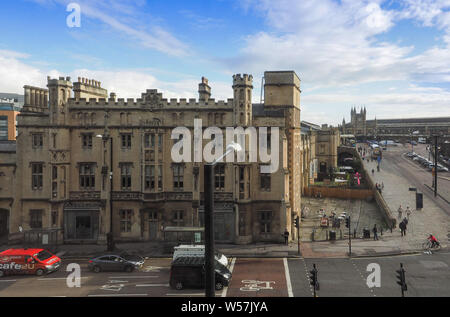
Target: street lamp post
109	236
209	220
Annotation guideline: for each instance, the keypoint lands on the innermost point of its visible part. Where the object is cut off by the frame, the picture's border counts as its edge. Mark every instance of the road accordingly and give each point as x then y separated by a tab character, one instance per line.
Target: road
395	161
426	275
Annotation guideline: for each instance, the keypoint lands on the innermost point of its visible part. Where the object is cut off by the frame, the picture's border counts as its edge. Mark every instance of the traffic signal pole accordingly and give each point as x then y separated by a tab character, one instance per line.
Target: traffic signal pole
435	164
297	225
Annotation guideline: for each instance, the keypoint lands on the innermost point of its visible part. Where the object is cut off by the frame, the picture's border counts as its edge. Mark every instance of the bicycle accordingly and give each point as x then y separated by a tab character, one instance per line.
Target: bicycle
427	246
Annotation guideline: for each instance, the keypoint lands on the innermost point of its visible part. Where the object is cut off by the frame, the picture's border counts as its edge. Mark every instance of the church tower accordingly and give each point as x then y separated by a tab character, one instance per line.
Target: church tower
59	93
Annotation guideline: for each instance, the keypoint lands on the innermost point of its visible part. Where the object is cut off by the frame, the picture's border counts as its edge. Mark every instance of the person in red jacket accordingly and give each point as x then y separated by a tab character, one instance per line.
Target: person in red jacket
433	240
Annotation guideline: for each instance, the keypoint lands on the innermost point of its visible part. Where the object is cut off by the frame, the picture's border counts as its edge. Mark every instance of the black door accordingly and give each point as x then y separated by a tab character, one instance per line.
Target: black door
83	227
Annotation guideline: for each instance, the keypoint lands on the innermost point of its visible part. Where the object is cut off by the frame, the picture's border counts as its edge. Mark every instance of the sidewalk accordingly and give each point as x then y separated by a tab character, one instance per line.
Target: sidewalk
431	219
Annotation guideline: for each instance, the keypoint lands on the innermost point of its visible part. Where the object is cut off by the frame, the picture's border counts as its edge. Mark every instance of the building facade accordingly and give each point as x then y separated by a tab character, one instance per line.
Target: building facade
398	129
83	155
10	107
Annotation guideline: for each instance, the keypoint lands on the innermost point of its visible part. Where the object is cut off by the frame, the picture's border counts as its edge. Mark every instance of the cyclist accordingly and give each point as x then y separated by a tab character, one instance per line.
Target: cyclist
433	240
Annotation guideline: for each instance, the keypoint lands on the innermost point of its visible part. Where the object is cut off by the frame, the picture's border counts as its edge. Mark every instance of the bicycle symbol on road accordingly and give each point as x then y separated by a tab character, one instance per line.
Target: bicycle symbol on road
254	286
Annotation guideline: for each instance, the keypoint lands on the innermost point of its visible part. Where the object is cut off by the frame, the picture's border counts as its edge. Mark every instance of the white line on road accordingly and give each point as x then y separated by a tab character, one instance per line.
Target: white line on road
288	278
57	278
109	295
8	280
125	276
150	285
185	295
225	290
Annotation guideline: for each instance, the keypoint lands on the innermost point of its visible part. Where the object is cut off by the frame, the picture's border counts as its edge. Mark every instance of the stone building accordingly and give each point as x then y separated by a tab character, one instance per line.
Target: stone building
72	134
394	129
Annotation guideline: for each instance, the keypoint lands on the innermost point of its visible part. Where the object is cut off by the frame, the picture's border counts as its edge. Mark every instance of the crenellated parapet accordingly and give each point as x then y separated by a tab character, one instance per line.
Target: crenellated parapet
242	81
89	88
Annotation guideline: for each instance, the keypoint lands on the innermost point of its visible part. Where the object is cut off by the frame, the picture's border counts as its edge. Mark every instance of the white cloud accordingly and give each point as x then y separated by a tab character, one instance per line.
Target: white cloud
126	18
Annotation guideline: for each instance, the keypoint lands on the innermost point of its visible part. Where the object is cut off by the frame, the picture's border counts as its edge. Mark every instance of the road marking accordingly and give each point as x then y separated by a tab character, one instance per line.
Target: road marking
117	295
57	278
185	295
8	280
125	276
225	290
288	278
150	285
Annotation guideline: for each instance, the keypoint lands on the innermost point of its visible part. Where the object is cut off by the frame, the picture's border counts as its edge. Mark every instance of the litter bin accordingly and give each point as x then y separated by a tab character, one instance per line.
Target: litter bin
366	233
332	235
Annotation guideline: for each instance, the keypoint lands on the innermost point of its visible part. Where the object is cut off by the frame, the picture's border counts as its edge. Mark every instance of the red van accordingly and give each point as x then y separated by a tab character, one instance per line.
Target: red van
28	261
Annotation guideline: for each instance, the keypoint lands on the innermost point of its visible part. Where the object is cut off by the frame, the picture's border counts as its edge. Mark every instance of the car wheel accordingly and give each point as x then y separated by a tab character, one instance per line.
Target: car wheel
2	273
219	286
128	269
97	269
179	286
39	272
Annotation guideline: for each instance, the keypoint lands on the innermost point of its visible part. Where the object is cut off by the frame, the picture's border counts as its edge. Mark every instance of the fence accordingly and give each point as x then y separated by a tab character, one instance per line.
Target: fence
337	192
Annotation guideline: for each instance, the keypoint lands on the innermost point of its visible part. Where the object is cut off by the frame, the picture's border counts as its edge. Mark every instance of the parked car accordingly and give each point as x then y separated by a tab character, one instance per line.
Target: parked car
114	262
188	250
189	272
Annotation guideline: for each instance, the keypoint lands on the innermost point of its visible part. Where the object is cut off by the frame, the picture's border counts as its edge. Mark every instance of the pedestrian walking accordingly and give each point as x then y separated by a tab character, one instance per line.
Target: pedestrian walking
382	186
408	213
400	212
373	171
286	237
375	232
402	227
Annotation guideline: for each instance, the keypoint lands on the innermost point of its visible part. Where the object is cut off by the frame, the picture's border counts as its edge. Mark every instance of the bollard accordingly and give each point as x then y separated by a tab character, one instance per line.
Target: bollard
312	235
381	230
327	234
354	233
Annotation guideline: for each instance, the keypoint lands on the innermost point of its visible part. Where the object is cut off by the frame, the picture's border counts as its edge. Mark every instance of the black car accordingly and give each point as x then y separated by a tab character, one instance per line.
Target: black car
190	272
114	262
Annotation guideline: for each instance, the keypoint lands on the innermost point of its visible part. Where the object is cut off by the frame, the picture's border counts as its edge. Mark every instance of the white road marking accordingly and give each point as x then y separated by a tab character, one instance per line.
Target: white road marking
125	276
117	295
288	278
225	290
56	278
185	295
8	280
150	285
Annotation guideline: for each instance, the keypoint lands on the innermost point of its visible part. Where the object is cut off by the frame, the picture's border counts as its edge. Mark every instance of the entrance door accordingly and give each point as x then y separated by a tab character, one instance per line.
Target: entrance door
153	225
83	227
323	167
4	230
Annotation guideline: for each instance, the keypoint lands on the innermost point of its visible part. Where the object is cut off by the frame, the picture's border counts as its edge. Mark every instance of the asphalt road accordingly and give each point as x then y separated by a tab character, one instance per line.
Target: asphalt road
395	161
426	275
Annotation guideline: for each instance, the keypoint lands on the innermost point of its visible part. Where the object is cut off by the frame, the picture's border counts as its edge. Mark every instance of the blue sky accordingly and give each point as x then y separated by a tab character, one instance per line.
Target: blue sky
393	57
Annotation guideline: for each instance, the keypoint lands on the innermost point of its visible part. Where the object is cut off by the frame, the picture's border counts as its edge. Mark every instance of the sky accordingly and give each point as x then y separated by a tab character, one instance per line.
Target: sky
391	57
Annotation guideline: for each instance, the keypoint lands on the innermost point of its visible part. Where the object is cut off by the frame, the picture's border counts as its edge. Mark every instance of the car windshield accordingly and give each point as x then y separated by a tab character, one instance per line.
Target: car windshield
221	268
43	255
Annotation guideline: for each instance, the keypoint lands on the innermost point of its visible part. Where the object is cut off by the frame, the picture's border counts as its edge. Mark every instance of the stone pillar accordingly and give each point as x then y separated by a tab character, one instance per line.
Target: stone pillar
32	100
27	95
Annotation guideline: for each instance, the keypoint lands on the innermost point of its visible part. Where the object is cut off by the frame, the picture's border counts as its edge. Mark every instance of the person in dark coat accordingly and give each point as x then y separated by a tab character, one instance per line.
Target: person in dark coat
375	232
286	236
402	227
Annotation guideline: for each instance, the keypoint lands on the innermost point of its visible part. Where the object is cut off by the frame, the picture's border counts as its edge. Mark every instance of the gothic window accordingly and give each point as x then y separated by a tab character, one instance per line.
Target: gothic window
87	176
36	218
265	221
86	139
125	140
125	176
265	181
178	175
149	177
36	175
125	220
219	176
178	218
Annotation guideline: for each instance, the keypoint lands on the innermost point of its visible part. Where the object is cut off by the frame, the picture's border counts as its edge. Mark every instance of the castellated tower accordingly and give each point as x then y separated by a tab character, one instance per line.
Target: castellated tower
242	89
59	94
204	90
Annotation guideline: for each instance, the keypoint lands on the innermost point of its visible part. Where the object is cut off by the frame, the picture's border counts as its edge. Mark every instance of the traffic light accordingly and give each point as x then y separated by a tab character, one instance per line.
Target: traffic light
297	222
347	222
313	277
401	280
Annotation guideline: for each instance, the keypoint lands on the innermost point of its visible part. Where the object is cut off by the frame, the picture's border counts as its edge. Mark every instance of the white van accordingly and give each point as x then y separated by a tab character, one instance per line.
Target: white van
188	250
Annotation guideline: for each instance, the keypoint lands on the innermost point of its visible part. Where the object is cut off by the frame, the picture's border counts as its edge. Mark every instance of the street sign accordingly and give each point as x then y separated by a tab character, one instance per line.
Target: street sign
197	237
412	189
